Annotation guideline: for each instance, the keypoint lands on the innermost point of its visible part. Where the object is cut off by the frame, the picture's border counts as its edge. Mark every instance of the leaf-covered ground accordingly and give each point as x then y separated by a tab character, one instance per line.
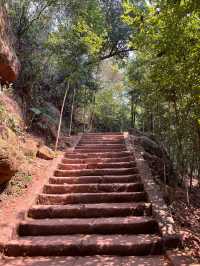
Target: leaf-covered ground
187	219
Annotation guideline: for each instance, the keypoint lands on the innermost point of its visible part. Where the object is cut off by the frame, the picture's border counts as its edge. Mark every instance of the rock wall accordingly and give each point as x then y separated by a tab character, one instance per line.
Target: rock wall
9	63
156	155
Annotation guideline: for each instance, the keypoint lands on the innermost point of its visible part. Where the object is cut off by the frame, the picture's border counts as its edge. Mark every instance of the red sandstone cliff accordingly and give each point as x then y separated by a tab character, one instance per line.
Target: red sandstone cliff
9	63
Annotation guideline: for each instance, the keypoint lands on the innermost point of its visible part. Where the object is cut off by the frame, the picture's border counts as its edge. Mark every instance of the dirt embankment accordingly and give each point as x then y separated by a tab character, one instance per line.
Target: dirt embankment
24	164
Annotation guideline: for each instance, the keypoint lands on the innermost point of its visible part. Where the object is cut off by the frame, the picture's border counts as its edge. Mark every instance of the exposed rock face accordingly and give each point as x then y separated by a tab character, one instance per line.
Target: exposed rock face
9	63
156	156
10	155
48	120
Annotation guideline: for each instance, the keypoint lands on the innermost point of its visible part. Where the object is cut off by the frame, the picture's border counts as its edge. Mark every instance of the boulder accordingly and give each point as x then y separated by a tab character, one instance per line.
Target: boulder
11	157
7	135
9	63
156	155
52	110
8	164
48	119
45	153
30	147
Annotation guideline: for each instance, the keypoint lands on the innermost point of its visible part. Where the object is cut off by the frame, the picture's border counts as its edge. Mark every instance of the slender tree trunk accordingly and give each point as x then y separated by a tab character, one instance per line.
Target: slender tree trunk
151	122
61	116
178	138
92	115
84	110
132	111
134	116
187	193
72	111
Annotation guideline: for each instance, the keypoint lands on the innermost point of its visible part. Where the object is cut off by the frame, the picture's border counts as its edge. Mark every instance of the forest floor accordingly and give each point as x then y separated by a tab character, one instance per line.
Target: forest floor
187	219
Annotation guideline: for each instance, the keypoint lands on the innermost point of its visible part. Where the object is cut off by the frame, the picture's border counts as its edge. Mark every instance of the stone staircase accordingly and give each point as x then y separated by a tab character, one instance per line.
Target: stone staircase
93	211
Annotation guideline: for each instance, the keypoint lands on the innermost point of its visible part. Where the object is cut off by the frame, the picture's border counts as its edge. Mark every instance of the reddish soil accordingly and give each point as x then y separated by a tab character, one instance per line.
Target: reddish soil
13	206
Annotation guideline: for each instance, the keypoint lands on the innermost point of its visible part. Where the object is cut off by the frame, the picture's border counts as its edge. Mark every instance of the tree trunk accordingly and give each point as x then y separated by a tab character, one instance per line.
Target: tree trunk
92	114
72	111
132	111
84	110
61	115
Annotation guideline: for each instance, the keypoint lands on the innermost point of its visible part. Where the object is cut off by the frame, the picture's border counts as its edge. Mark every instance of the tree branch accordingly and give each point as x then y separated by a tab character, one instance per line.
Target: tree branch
28	25
115	53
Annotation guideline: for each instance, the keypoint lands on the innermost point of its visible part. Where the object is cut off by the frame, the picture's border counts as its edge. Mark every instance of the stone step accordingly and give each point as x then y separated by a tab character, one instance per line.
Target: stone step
99	146
98	149
83	245
88	261
95	172
103	133
64	166
109	136
103	136
91	141
97	160
92	188
107	139
77	155
94	141
90	210
114	197
104	226
95	179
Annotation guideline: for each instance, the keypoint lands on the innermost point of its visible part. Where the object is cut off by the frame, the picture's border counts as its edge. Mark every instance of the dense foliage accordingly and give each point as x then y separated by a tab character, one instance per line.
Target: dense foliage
164	76
156	46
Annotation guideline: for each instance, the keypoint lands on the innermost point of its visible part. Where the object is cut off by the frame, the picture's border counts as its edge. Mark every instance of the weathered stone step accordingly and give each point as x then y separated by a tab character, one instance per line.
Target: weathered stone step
92	188
98	139
91	141
98	149
103	133
95	172
97	160
90	210
64	166
114	225
78	245
77	155
99	146
103	136
95	179
102	146
88	261
56	199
